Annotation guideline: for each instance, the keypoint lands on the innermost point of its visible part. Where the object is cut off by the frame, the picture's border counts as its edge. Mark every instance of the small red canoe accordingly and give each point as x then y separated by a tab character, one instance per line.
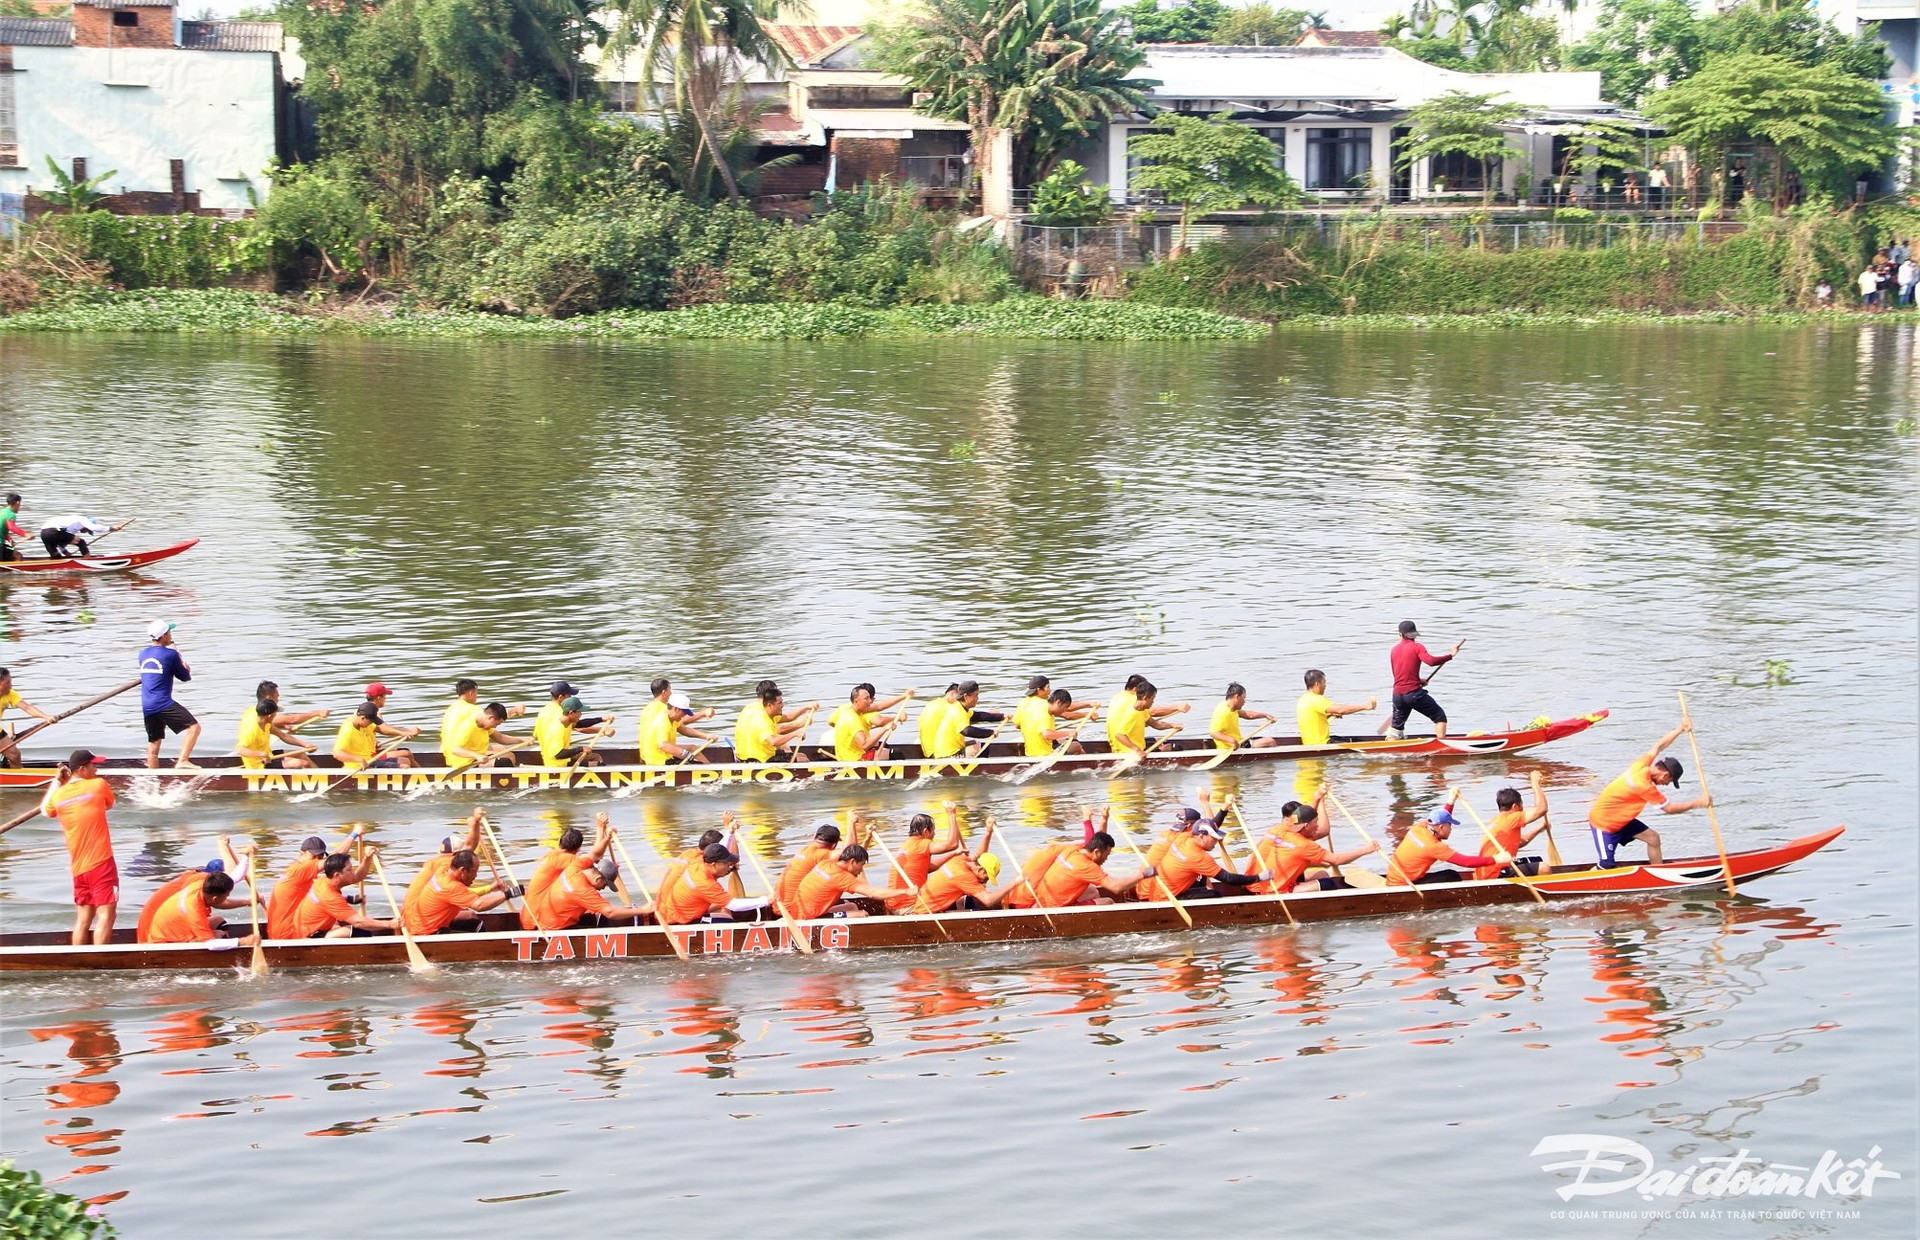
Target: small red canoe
96	563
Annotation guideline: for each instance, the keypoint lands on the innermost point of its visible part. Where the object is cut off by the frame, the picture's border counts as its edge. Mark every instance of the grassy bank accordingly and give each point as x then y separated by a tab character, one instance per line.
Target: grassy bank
226	311
1500	320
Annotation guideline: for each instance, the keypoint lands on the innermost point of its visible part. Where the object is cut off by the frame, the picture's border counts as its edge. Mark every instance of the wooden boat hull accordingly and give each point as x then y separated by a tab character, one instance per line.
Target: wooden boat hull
507	944
623	769
96	563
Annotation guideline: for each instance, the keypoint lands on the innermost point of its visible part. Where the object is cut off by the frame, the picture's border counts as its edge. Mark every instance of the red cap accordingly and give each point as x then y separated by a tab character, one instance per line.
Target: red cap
376	689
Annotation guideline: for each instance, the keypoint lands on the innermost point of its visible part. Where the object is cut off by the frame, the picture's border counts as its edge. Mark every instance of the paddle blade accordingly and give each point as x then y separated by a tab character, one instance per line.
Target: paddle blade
259	965
1364	879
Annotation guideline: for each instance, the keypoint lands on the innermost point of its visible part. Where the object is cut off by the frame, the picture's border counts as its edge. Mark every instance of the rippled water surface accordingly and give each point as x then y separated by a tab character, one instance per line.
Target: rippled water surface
1606	515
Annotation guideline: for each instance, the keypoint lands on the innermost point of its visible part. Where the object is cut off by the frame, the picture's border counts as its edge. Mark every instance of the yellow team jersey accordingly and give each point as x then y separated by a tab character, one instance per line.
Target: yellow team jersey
656	733
1314	715
848	724
473	736
930	718
753	734
1225	719
552	733
452	725
352	740
950	737
1034	721
254	735
1120	714
654	709
10	698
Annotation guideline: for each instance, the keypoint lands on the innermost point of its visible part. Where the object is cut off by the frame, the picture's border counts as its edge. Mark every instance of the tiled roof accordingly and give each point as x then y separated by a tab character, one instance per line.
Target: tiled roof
808	43
35	32
1348	38
231	36
125	4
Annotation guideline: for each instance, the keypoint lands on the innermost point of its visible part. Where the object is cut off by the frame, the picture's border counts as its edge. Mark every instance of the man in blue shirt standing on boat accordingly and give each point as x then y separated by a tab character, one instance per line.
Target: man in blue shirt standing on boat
160	666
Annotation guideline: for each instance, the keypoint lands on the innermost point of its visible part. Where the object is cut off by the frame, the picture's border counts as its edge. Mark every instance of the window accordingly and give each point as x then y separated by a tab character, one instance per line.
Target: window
1278	136
1339	158
9	136
622	96
124	17
1462	172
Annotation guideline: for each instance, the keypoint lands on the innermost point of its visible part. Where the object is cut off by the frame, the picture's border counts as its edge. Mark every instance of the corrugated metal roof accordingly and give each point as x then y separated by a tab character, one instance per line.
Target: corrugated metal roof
231	36
125	4
35	32
807	44
1344	38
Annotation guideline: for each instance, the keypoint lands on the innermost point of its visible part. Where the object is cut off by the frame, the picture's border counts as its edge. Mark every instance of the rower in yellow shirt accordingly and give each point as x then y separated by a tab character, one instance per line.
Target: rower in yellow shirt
255	742
1316	711
931	716
462	712
554	726
1042	714
954	727
10	699
479	741
355	744
858	730
1127	728
1225	724
659	742
763	728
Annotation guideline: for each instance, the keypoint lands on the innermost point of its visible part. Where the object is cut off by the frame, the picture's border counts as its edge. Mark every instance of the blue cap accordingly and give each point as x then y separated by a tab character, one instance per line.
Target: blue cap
215	866
1441	818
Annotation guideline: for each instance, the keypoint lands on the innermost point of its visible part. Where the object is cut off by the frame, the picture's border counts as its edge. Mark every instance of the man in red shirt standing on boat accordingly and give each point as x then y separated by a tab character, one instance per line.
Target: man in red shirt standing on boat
1615	816
1409	690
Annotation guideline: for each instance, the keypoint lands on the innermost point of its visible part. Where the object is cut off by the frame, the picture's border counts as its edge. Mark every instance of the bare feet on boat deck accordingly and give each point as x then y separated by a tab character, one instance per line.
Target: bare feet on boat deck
183	765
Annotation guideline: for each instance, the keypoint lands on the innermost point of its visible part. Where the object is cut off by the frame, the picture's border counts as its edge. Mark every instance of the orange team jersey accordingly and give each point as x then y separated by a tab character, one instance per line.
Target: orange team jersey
1505	829
171	887
1288	854
81	805
287	895
536	904
571	897
322	909
1069	880
1416	855
1185	863
691	895
1031	871
685	858
182	918
1157	851
946	885
821	890
801	866
1623	799
916	862
440	900
435	864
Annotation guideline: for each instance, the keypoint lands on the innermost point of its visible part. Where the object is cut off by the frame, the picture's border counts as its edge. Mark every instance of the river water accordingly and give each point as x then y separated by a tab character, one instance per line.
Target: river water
1606	515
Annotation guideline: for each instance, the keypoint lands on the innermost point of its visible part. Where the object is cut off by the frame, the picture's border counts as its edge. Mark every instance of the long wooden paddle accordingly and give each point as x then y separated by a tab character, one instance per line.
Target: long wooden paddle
258	967
795	935
585	749
800	738
1047	763
1362	878
1135	757
1020	869
1726	866
363	767
874	833
1253	852
416	959
1224	754
659	915
1127	838
470	763
497	862
11	742
1519	876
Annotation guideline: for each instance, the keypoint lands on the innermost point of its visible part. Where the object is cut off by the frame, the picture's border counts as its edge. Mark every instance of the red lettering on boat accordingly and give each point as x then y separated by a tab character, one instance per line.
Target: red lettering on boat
607	946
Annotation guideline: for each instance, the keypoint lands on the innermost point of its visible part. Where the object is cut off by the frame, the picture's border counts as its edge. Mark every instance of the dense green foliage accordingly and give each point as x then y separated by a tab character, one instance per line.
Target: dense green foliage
1025	317
1477	36
29	1210
1460	123
1209	163
1772	266
1064	199
1259	24
164	251
1048	71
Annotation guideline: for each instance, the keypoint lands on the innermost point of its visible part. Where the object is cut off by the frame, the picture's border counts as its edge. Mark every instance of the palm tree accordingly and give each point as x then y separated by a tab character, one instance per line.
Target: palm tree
684	39
1396	26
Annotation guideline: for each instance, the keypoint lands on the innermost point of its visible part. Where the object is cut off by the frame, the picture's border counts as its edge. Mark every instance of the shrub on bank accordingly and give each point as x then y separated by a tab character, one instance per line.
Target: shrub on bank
29	1210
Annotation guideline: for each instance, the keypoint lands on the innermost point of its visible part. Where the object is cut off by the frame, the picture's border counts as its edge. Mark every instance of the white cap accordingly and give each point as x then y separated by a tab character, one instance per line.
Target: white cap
678	701
159	629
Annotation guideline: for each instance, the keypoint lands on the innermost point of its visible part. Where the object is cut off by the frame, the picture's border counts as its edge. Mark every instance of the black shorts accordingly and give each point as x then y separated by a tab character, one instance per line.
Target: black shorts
1529	866
1626	833
1440	876
175	718
1406	704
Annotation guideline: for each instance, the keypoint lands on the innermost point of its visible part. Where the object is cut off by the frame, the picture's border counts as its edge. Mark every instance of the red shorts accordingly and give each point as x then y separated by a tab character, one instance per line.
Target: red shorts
99	886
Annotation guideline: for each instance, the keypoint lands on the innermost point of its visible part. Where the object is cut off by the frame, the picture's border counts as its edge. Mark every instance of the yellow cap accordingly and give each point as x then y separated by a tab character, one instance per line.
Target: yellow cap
991	864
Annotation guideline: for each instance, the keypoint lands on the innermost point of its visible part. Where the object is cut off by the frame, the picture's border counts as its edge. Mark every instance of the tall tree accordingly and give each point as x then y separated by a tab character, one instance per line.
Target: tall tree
1820	120
1211	163
1047	71
1460	123
1188	21
1265	25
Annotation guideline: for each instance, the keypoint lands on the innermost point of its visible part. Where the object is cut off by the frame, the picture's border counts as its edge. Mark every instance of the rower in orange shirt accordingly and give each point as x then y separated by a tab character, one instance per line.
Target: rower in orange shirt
824	892
292	888
324	912
695	894
1075	876
186	917
565	856
693	855
1293	851
80	799
1425	845
824	844
961	881
922	854
446	899
1615	816
574	899
1509	832
448	846
226	863
1189	869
